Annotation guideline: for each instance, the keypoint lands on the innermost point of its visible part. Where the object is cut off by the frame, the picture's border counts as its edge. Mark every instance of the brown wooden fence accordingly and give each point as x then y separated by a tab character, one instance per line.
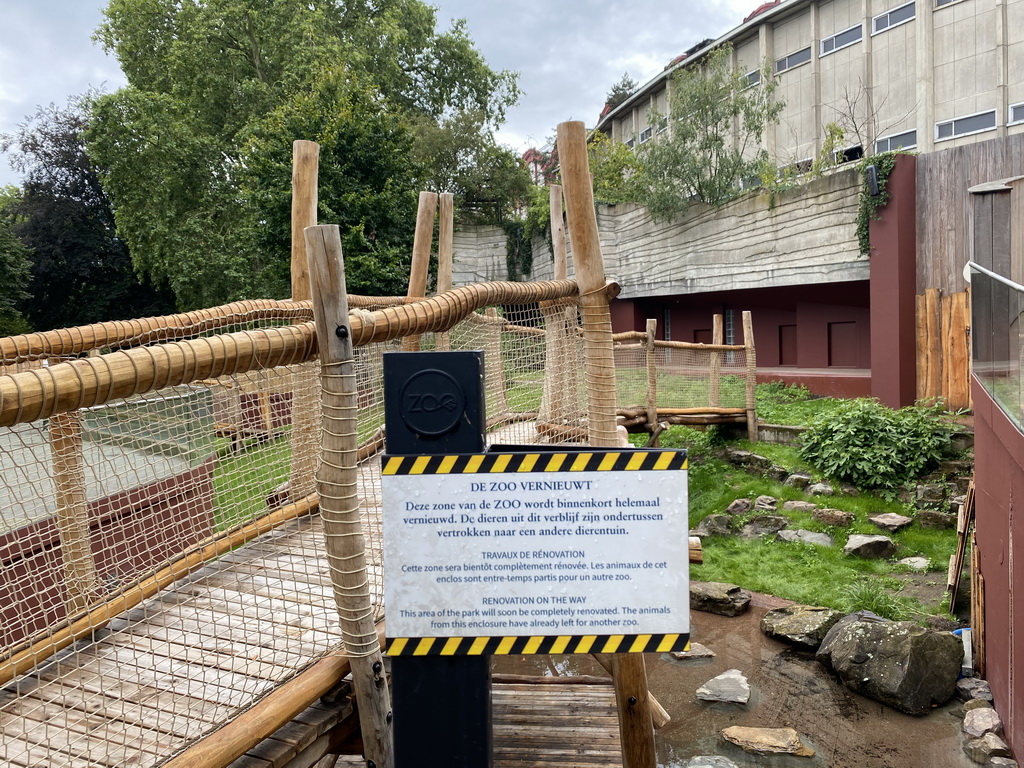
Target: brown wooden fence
943	348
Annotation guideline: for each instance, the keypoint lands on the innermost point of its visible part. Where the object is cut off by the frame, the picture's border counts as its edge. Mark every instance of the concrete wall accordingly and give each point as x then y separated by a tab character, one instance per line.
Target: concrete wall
807	237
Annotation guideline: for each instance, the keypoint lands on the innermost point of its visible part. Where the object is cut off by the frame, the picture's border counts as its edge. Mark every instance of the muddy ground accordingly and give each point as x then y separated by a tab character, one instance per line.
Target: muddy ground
789	689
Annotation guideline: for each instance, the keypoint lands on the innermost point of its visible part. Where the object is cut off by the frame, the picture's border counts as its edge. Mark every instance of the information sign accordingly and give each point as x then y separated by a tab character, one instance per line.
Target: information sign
548	552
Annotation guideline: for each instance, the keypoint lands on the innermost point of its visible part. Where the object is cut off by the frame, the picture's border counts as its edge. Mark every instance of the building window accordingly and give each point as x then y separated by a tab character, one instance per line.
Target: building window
645	134
849	154
940	3
965	126
843	39
906	140
1016	114
630	143
893	18
753	78
793	60
662	124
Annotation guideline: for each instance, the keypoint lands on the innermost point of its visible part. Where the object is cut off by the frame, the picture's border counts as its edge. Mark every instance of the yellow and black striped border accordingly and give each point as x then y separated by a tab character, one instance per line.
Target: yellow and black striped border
483	463
527	645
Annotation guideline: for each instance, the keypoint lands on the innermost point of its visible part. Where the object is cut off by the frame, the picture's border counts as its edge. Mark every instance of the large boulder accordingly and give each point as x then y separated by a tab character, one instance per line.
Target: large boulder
804	625
876	547
896	662
739	507
765	504
718	598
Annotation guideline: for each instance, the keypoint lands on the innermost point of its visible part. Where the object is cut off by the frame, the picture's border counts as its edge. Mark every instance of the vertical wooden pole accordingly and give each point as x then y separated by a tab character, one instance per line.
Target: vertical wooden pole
751	355
339	500
558	233
420	266
635	721
445	255
305	173
715	372
81	581
304	415
652	381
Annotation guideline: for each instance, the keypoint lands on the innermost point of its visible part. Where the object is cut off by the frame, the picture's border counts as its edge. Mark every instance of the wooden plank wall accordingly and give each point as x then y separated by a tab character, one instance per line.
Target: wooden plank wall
944	208
943	348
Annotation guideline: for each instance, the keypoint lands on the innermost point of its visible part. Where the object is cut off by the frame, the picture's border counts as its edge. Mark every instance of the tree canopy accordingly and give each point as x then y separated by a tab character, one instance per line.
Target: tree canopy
80	270
195	146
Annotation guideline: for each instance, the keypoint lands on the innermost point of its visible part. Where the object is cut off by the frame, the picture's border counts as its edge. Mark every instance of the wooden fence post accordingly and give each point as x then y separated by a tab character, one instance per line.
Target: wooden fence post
80	578
652	381
420	266
630	673
715	372
445	256
751	356
304	413
339	500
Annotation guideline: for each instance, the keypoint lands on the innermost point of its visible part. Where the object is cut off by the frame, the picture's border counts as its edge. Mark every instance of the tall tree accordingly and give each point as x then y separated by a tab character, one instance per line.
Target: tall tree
717	121
211	83
619	92
14	266
81	271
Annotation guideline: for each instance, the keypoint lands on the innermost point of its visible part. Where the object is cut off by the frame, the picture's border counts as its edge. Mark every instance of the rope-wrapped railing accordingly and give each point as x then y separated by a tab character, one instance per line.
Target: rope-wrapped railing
92	381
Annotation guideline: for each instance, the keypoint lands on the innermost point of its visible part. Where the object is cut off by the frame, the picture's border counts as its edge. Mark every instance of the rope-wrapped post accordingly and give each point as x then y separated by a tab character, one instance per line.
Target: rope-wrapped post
494	367
636	724
652	381
420	266
445	256
751	355
339	499
304	413
715	369
81	581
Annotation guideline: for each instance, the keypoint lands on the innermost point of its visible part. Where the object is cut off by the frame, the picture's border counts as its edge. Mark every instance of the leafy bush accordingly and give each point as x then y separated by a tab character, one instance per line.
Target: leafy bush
871	446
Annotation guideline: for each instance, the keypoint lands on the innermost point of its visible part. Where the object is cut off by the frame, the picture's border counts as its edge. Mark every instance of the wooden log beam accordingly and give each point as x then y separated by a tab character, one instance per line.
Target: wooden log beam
445	255
628	670
305	173
337	484
652	377
715	371
420	266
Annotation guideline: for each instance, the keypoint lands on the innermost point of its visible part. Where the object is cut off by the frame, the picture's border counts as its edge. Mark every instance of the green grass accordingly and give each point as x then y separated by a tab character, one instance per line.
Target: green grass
242	481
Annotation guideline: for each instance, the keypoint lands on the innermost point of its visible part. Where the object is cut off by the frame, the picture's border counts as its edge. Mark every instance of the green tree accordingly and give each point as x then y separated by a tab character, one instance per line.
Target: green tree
211	84
619	92
81	271
717	121
14	266
614	167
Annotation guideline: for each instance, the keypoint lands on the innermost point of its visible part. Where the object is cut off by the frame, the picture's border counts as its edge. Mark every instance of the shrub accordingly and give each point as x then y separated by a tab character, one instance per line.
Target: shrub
871	446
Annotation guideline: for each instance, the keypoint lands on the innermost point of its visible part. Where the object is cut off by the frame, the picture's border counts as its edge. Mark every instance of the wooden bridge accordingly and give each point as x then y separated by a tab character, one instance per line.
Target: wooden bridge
190	524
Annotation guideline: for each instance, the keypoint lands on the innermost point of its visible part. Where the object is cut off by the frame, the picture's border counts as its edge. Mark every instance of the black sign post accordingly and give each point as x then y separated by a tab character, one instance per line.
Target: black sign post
434	404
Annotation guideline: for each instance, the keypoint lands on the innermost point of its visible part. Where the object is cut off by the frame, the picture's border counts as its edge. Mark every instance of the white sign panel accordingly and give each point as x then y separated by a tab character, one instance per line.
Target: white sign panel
590	557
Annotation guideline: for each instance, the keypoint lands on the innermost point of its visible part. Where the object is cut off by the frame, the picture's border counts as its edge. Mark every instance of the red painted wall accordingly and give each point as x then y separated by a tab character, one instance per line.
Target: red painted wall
999	483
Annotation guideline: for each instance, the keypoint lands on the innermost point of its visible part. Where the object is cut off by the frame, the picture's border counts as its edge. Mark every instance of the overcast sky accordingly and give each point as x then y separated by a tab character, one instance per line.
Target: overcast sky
568	52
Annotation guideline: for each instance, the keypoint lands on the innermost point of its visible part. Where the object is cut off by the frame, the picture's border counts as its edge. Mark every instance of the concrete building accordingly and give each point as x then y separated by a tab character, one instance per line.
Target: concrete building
923	75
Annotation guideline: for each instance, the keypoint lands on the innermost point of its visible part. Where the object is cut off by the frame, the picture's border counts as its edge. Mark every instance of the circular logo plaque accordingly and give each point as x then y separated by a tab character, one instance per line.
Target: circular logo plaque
432	403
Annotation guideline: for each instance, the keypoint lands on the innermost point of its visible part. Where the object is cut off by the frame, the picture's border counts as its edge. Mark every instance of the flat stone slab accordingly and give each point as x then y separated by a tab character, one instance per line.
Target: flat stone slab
915	563
709	761
715	525
730	687
873	547
697	651
804	625
719	598
799	506
820	489
986	748
968	688
739	507
891	522
806	537
930	518
766	503
763	525
798	480
836	517
767	741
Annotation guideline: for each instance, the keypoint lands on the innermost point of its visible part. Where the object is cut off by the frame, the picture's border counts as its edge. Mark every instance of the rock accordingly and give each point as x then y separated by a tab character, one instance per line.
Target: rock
835	517
709	761
896	662
807	507
765	503
804	625
730	687
849	490
968	688
798	480
806	537
697	651
820	489
977	704
718	598
776	473
715	525
955	503
978	722
891	522
929	495
823	653
1005	762
747	459
986	748
739	507
932	518
763	741
875	547
915	563
763	525
952	467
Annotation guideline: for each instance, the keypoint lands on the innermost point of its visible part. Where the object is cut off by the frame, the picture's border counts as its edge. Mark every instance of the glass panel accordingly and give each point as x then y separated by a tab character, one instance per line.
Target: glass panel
998	342
973	123
903	13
